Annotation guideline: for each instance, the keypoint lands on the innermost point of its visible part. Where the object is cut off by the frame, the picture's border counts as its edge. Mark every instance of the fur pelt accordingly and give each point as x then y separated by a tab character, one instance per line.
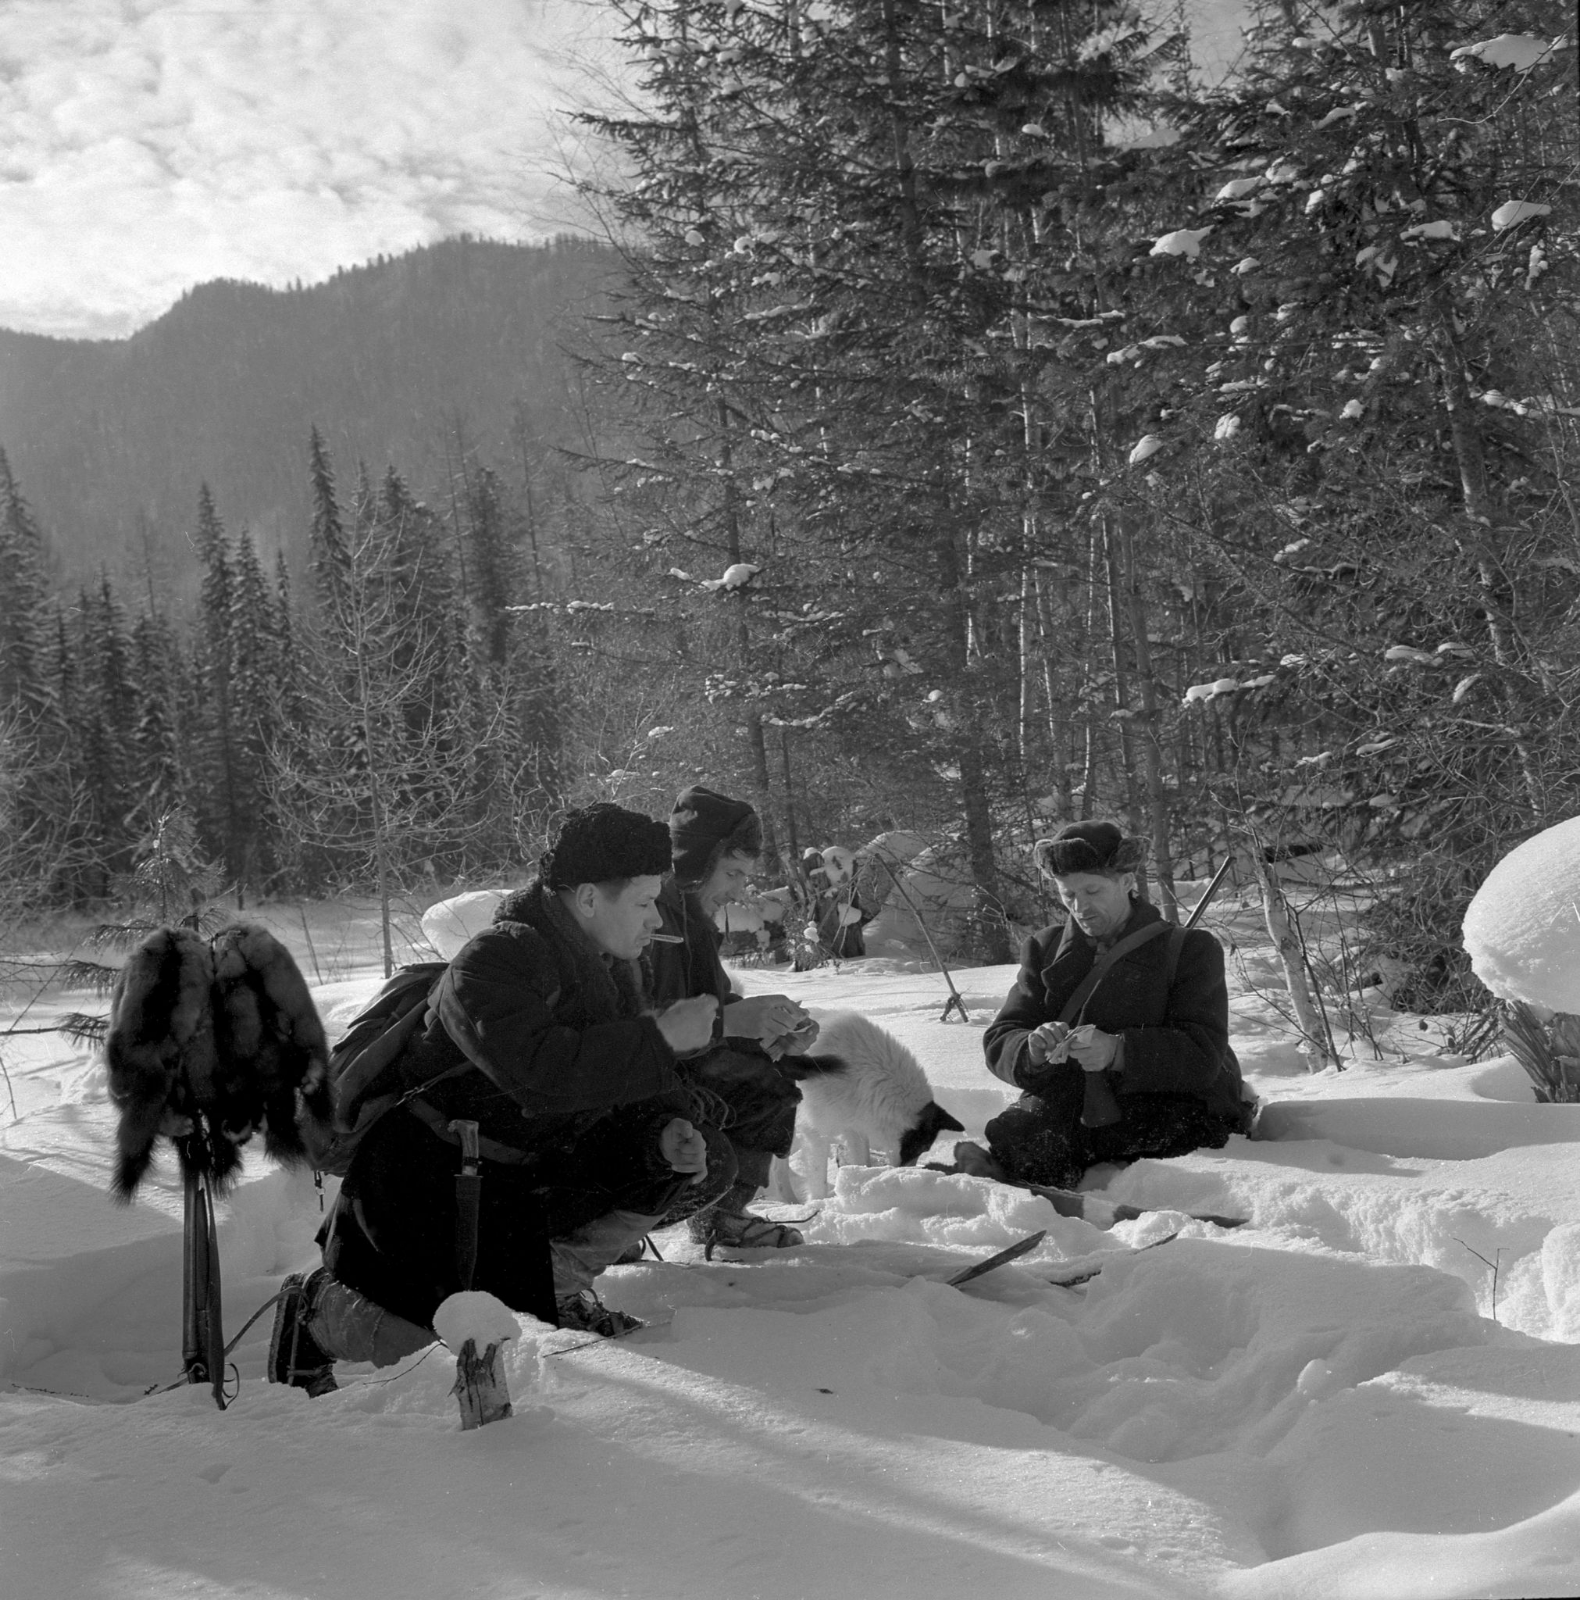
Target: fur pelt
159	1052
864	1090
272	1054
207	1045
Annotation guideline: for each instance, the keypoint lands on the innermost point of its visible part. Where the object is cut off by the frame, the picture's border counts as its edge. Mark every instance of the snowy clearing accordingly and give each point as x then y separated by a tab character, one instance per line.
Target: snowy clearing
1316	1404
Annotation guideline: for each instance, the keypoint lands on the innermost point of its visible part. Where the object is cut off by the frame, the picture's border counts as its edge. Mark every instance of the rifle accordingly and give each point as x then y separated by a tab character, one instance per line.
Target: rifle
1099	1108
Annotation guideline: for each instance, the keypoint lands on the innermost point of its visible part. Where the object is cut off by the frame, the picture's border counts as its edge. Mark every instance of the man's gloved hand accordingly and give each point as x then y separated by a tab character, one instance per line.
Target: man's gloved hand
684	1149
687	1026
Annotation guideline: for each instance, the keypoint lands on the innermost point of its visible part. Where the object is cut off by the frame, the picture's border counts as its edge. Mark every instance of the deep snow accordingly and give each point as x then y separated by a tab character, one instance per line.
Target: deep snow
1316	1404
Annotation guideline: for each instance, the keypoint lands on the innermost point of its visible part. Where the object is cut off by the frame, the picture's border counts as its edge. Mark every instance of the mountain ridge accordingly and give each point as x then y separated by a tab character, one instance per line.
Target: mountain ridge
110	439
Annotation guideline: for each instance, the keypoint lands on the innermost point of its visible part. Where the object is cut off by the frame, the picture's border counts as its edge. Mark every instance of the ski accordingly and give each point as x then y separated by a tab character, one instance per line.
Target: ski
1075	1281
1019	1248
1071	1203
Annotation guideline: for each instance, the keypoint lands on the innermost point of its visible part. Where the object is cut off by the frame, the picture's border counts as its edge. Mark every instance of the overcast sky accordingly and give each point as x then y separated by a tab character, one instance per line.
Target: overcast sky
148	145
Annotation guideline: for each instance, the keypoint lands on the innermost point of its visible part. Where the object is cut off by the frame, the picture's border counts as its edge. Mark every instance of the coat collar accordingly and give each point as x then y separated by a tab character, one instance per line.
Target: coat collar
1077	946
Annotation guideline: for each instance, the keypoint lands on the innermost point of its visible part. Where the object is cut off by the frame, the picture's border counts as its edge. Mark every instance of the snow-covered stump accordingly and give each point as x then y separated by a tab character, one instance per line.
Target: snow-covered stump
474	1327
1522	933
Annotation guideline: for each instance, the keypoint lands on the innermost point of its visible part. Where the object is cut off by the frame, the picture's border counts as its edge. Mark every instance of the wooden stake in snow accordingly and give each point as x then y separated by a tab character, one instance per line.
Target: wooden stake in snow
469	1323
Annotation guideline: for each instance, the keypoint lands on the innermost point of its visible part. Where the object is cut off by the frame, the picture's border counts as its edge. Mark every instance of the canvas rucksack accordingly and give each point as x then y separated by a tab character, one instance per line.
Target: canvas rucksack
362	1065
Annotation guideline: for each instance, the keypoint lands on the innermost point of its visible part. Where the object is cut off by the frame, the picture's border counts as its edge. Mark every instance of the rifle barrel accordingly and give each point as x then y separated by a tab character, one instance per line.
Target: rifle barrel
1211	890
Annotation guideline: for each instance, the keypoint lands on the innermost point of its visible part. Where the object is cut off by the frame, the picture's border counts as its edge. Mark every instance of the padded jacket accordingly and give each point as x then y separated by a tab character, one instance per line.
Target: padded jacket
1174	1038
560	1041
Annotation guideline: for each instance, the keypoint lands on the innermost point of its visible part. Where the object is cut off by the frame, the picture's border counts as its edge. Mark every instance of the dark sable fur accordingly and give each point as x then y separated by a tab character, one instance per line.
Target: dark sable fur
160	1050
272	1053
206	1046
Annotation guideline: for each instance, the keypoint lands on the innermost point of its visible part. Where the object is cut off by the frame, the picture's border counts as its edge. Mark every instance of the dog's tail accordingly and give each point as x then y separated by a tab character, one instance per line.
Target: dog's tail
800	1067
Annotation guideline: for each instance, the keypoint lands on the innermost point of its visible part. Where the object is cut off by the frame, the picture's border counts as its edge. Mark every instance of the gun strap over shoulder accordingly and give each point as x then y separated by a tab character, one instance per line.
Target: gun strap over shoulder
1084	990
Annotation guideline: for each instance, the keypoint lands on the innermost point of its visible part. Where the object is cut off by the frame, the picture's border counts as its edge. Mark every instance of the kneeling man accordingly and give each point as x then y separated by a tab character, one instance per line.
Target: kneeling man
541	1035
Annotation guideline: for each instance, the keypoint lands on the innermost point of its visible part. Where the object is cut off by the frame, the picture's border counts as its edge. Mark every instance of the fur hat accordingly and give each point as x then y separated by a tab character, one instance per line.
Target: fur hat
706	826
604	843
1089	847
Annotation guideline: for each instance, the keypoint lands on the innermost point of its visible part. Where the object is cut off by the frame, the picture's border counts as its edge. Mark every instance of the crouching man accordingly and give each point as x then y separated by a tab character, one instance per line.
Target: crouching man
715	842
541	1044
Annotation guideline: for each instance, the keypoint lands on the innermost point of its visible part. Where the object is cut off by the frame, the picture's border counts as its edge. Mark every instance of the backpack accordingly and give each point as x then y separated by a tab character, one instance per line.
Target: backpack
362	1073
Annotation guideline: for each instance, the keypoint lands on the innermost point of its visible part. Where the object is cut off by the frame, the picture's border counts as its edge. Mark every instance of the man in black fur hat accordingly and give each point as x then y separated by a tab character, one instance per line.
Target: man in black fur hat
715	842
540	1036
1153	1032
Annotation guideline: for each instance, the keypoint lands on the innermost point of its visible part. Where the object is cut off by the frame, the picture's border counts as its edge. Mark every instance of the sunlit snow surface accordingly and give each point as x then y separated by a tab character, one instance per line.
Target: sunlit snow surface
1317	1404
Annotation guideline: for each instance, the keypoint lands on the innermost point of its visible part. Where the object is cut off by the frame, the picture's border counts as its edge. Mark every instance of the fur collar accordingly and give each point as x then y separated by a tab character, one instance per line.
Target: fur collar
608	986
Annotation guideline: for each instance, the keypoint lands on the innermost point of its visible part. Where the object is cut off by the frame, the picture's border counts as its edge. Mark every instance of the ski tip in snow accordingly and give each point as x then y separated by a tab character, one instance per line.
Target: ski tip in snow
1019	1248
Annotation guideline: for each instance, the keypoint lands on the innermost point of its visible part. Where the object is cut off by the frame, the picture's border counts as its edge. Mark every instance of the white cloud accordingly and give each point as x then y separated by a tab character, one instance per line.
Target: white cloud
147	145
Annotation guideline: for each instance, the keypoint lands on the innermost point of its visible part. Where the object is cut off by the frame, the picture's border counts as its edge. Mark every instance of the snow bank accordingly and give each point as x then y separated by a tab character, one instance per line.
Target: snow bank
1318	1403
449	924
1522	929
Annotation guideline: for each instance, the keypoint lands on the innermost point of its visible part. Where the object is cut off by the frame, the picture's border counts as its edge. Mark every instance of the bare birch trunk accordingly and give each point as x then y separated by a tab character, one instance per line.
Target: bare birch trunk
1318	1039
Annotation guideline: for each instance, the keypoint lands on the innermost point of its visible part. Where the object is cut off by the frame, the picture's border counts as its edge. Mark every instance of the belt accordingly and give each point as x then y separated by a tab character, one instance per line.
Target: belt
489	1149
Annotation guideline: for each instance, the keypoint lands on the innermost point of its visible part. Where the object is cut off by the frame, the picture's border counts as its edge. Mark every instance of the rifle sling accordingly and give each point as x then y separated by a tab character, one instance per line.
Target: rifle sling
1084	990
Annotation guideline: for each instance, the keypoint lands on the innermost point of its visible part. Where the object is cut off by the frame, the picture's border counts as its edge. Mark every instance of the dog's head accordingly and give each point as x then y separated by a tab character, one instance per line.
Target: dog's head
918	1138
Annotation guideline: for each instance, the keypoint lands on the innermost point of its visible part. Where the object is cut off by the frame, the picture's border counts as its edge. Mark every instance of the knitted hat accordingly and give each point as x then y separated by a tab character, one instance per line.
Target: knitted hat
1089	847
705	826
604	843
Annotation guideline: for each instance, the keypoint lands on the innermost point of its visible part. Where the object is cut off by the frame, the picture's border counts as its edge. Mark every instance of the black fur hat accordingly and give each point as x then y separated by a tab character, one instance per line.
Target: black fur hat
604	843
706	826
1089	847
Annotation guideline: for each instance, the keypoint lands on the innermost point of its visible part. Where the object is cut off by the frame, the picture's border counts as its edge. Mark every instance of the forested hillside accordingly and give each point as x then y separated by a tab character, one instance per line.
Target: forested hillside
112	438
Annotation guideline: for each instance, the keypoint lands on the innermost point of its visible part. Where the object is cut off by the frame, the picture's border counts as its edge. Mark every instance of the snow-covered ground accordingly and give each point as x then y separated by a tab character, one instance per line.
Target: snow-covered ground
1320	1403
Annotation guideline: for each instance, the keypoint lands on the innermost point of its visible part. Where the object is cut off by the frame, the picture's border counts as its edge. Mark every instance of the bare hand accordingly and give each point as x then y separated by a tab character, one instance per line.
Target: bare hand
1093	1049
768	1018
684	1148
687	1026
1046	1043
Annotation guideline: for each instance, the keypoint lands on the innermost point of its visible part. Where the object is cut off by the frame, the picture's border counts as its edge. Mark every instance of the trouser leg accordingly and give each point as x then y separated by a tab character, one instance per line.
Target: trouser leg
1034	1144
347	1326
581	1255
1039	1142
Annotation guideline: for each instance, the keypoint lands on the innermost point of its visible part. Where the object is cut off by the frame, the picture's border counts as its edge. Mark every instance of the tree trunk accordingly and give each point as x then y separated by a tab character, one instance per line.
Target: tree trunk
481	1390
1317	1045
1486	518
1127	751
1151	717
756	744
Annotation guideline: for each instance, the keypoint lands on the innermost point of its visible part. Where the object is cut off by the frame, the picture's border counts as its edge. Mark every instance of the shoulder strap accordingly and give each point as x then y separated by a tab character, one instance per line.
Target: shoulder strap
1086	987
1172	965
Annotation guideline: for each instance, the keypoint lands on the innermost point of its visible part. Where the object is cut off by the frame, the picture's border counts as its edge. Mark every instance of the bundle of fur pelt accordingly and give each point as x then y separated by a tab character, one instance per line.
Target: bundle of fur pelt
208	1045
160	1048
272	1054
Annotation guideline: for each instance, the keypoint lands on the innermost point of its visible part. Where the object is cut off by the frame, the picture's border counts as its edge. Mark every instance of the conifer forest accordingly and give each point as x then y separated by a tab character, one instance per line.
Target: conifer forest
932	449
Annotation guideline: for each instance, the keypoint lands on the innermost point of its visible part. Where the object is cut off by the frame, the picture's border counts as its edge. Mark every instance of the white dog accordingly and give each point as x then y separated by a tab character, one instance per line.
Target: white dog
864	1090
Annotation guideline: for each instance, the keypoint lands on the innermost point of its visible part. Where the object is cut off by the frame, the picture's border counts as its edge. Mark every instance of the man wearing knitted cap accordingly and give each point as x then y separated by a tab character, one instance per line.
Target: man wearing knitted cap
540	1040
715	842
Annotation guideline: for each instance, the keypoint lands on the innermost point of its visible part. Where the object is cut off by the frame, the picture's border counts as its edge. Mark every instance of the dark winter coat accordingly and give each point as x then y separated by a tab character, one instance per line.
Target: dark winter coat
561	1037
759	1101
564	1068
1173	1040
692	968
